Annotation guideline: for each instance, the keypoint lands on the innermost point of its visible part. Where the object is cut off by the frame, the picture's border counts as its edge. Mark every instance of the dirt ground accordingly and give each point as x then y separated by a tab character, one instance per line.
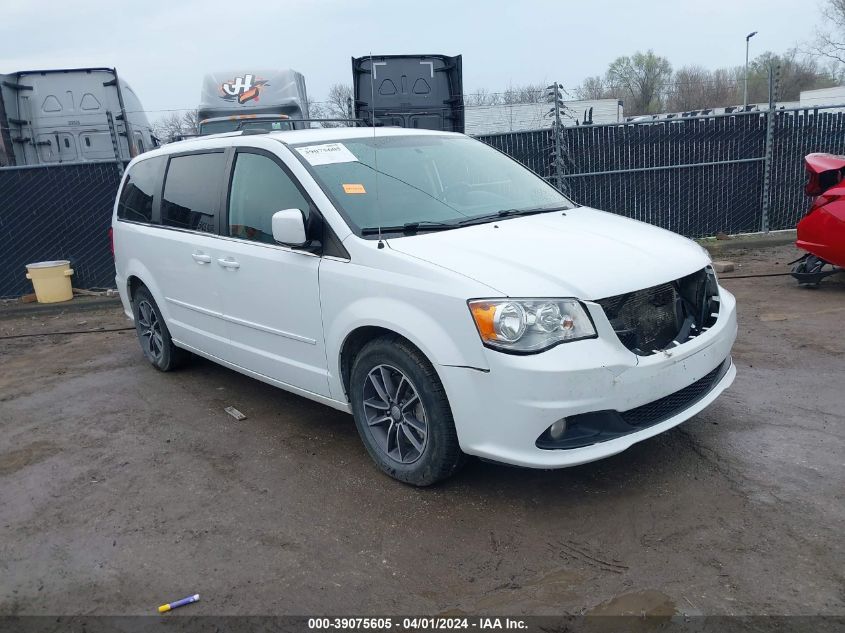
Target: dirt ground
122	488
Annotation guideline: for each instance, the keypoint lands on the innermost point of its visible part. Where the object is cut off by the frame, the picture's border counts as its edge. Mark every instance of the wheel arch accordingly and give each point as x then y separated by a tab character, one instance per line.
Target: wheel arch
355	342
133	282
138	275
348	326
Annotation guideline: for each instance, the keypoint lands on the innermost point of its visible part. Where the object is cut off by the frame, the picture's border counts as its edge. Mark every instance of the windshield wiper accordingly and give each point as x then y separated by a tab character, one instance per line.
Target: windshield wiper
510	213
409	228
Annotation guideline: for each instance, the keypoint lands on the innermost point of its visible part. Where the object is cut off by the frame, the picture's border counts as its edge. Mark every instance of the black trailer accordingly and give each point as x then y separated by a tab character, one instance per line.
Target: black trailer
414	91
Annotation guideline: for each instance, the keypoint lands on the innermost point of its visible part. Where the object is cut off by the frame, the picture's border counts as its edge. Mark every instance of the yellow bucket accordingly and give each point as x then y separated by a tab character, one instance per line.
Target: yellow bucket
51	281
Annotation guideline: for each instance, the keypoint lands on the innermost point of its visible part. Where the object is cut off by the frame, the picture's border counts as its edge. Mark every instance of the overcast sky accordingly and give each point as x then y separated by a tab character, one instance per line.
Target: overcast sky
163	47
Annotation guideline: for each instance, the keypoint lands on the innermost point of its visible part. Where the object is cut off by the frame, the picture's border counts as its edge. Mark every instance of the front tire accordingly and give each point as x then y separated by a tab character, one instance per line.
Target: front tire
402	413
153	334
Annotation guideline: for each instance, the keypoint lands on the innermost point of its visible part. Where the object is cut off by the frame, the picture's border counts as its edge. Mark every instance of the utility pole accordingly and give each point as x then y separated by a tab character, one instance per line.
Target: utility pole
747	44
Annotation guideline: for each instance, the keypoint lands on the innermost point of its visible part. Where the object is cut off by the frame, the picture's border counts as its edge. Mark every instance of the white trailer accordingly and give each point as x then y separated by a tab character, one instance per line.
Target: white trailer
70	115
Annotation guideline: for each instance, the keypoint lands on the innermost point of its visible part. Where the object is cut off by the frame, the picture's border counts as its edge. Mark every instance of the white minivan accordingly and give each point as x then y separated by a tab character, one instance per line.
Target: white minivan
447	297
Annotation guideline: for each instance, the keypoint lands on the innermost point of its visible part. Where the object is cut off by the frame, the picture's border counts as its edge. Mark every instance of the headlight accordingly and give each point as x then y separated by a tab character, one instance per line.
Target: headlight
530	325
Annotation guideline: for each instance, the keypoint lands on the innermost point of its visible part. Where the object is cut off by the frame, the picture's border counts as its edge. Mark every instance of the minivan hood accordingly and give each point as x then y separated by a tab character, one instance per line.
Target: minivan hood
580	252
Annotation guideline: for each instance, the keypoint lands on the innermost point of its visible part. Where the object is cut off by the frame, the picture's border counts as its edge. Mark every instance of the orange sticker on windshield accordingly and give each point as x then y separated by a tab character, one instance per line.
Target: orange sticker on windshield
354	189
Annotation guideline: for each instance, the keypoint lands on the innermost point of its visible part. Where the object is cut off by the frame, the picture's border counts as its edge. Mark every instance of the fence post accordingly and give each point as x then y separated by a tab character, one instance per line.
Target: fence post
556	98
557	141
767	163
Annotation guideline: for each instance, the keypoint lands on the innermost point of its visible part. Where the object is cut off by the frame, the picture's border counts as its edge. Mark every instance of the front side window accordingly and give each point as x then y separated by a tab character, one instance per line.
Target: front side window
260	187
136	199
191	192
395	180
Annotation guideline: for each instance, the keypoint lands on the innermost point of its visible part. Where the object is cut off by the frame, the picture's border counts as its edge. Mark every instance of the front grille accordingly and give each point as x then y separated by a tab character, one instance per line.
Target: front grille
653	319
674	403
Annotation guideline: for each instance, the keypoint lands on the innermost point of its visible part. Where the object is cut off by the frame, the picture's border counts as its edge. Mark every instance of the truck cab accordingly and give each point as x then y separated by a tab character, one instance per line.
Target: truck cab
254	99
411	91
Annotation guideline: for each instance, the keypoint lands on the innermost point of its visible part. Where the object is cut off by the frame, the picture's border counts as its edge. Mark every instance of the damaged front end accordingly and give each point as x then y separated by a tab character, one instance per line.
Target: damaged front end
654	319
648	322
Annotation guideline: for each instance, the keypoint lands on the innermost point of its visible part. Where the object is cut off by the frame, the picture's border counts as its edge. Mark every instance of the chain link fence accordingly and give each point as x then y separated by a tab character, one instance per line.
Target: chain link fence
798	133
697	176
57	212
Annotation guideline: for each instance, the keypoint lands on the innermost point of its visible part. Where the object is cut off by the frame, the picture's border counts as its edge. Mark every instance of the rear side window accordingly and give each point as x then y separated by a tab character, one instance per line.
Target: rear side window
260	187
191	192
136	199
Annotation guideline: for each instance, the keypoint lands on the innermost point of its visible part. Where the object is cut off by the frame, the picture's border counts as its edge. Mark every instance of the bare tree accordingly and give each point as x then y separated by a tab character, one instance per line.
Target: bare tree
830	43
527	93
168	127
481	97
173	126
190	122
336	106
337	103
317	110
696	88
512	95
594	88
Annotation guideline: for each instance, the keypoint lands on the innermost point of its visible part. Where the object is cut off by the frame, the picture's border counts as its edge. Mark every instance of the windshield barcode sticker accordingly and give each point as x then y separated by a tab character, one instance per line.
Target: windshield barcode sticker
327	154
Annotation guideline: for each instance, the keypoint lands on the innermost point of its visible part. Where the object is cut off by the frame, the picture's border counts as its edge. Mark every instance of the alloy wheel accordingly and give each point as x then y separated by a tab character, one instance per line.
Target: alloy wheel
149	331
395	414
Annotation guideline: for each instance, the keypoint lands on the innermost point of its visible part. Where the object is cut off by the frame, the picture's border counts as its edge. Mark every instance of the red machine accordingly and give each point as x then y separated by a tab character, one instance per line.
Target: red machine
822	231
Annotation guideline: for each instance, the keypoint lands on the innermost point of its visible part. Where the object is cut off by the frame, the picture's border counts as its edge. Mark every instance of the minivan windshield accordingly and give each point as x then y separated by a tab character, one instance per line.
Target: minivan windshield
431	182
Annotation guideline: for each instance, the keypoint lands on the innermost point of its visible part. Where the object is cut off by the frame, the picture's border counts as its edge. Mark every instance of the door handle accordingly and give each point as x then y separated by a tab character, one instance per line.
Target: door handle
228	263
201	258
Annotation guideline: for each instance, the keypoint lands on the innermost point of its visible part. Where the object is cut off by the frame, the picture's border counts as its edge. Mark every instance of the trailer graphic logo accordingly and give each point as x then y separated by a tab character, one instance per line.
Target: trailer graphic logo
242	89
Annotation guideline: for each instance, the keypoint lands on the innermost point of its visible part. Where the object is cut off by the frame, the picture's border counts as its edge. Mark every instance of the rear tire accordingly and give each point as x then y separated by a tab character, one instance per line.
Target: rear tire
402	413
153	334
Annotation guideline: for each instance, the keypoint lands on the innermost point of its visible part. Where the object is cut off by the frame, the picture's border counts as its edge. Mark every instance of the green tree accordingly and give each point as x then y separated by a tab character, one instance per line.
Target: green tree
640	79
795	73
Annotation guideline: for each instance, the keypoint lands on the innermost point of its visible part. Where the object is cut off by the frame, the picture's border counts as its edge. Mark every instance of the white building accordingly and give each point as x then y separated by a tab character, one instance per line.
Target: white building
823	97
520	117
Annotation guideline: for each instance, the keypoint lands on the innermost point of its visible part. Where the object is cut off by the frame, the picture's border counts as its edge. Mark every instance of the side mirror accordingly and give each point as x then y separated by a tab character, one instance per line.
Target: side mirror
289	227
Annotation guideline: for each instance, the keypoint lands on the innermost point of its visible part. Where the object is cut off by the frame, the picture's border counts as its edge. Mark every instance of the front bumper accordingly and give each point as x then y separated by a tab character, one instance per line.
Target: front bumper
499	414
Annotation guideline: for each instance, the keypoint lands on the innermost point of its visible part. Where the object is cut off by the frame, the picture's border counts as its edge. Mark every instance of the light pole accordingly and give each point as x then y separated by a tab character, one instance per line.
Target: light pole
745	92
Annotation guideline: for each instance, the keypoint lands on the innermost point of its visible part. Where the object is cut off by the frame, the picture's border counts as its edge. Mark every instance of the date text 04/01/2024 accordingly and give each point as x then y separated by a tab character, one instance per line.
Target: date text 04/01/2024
417	623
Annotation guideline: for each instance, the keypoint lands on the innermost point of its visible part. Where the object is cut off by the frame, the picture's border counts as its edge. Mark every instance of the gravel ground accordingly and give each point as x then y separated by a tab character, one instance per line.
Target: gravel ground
122	488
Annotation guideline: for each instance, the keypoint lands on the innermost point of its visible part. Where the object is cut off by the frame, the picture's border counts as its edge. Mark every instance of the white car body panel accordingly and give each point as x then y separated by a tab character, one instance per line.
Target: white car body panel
190	301
276	332
418	300
283	316
580	253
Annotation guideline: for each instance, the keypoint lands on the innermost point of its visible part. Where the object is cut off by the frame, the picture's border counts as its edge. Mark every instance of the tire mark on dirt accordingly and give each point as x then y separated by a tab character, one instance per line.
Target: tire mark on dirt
571	551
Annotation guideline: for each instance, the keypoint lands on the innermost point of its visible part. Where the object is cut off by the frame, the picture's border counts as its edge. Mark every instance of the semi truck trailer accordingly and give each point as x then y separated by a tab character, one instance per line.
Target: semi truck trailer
70	115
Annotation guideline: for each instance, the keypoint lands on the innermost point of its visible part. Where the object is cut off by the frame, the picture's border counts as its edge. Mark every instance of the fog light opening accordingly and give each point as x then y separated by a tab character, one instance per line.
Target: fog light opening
558	429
